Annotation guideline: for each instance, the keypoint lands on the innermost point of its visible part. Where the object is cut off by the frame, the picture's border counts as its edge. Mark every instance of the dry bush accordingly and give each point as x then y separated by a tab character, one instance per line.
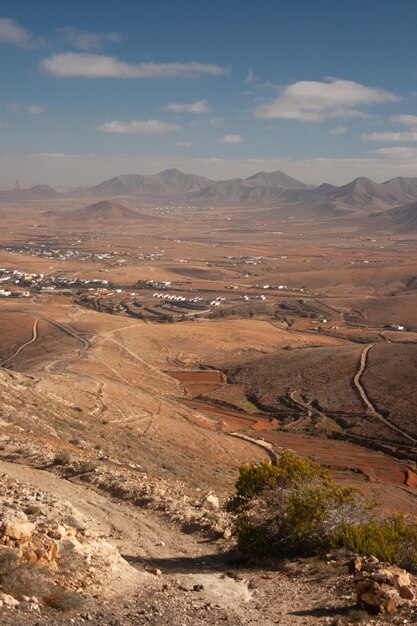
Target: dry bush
292	507
62	600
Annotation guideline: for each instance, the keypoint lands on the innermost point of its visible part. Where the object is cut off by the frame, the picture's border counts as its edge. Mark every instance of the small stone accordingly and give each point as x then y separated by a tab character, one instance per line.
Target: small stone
155	571
198	587
406	592
212	502
355	565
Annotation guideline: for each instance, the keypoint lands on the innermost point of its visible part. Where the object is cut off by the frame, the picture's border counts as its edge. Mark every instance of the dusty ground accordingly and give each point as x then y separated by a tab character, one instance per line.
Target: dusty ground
181	578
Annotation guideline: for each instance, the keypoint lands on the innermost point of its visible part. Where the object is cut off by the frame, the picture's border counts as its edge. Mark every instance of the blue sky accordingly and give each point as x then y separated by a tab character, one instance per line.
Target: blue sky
323	89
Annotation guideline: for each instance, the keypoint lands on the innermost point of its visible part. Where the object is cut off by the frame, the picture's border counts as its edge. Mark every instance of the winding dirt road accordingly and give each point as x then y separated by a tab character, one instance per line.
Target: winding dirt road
357	381
32	340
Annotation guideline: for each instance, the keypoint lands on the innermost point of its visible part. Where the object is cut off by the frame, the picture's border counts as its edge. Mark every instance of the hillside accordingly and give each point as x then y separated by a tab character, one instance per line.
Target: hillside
147	187
104	211
287	196
398	219
36	192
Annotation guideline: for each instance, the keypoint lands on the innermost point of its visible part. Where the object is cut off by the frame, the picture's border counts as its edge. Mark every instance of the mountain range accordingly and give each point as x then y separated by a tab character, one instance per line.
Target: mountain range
281	194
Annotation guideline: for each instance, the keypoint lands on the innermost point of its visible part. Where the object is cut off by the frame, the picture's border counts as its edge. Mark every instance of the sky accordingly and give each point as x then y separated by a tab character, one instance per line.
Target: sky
325	90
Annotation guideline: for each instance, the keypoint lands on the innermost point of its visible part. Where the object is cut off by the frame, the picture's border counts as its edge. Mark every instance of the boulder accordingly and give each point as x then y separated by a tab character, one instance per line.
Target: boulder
57	531
373	598
355	565
406	592
212	502
16	526
8	600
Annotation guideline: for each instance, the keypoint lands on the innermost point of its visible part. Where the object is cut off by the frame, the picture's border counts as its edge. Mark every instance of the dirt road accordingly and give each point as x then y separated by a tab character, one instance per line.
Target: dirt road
32	340
357	381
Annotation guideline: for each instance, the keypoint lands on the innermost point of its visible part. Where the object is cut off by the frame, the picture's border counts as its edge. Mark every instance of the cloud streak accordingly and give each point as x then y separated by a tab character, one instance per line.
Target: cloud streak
87	40
406	135
14	34
35	109
140	127
230	139
338	130
201	106
313	101
407	120
87	65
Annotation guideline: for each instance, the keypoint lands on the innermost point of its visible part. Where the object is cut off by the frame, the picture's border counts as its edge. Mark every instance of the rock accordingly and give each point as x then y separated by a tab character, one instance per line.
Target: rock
227	533
155	571
8	600
373	598
16	527
28	606
355	565
30	556
384	576
48	551
401	577
198	587
57	532
406	592
212	502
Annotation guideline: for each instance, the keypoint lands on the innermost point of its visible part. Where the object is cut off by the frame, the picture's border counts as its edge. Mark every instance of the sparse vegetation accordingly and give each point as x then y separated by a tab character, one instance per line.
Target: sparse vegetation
21	579
392	539
62	600
62	458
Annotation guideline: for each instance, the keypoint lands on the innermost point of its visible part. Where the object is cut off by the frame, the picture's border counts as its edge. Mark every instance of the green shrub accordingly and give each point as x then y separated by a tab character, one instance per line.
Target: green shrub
392	539
294	507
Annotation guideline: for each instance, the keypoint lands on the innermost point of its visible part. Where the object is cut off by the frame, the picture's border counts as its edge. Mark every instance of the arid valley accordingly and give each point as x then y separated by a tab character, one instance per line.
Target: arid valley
157	334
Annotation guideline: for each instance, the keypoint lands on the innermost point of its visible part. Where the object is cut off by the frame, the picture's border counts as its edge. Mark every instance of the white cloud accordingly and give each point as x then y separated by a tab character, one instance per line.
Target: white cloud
250	78
71	64
230	139
398	152
201	106
407	135
183	144
338	130
216	122
13	106
11	32
313	101
87	40
141	127
407	120
35	109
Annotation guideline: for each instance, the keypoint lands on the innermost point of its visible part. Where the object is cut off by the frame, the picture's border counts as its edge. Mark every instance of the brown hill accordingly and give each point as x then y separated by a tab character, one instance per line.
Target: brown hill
398	219
105	210
38	192
149	187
